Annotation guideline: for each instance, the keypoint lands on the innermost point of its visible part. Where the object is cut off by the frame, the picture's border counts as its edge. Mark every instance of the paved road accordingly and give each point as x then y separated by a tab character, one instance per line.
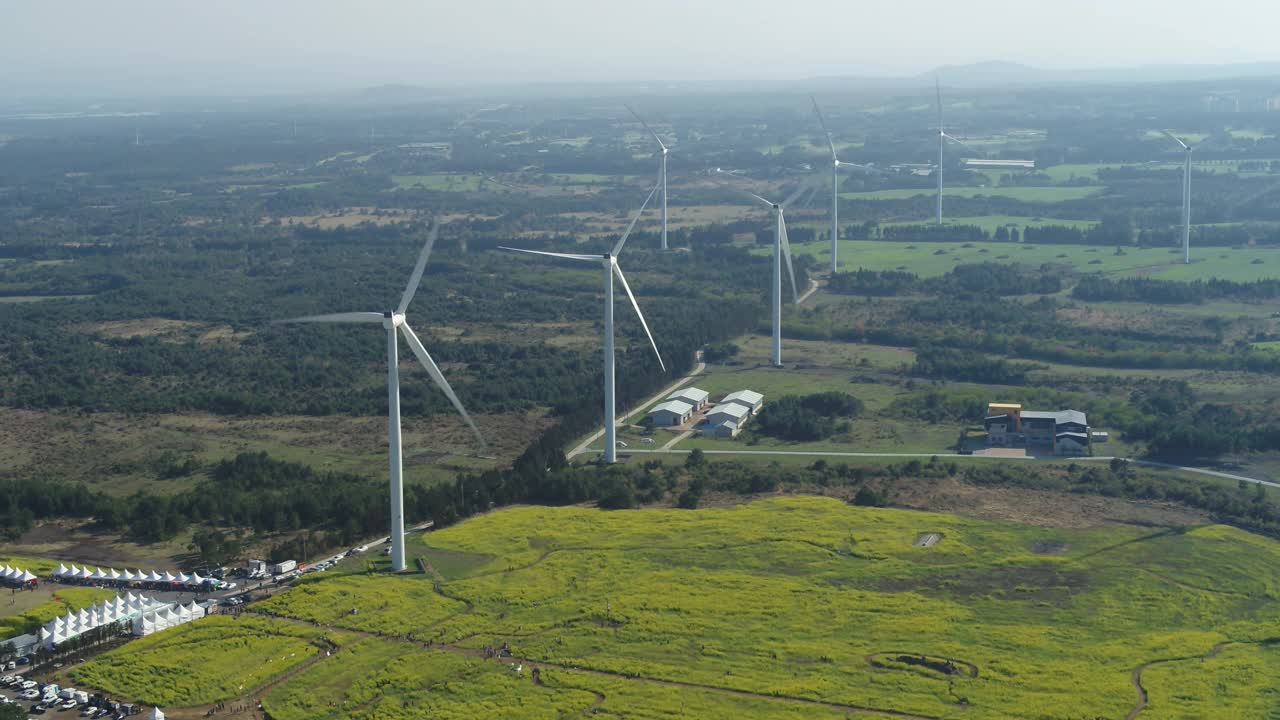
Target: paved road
829	453
585	444
813	287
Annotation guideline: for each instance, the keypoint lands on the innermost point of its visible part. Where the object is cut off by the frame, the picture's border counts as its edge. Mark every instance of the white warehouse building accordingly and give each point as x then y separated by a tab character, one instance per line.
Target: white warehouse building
726	420
749	399
671	413
692	395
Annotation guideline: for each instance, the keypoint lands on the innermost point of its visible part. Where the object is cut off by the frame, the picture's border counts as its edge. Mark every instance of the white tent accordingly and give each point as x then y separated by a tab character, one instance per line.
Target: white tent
196	579
183	577
62	570
157	715
98	575
27	577
154	577
113	574
127	575
169	577
84	574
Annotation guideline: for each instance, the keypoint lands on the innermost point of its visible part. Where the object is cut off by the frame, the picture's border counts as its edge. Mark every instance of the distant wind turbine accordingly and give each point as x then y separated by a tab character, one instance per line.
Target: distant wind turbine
943	137
1186	196
391	320
836	164
781	251
609	263
662	172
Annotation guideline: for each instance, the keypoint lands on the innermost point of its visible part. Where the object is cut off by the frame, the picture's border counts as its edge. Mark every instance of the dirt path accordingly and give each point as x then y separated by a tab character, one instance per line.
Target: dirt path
531	664
1136	677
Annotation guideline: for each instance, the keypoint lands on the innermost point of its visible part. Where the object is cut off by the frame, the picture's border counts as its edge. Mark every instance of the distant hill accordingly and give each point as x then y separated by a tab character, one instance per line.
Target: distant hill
997	73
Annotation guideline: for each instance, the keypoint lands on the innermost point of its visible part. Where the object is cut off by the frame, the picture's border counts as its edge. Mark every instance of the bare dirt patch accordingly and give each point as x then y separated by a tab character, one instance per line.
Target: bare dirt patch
928	539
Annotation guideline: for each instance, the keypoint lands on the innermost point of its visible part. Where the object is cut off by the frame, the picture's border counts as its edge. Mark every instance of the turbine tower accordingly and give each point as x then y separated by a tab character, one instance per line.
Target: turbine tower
781	251
1186	196
662	172
609	263
943	137
391	320
836	164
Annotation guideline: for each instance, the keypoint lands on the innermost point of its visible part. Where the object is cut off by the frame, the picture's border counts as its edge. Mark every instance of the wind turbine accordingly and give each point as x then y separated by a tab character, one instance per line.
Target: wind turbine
781	250
662	173
609	262
1186	196
391	320
836	164
943	137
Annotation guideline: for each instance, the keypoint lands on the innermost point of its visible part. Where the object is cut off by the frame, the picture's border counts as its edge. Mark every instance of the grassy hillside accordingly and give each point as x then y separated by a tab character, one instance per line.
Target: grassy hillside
798	607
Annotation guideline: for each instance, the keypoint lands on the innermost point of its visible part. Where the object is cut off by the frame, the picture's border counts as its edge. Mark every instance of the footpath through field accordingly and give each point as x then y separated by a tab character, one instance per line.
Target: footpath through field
530	663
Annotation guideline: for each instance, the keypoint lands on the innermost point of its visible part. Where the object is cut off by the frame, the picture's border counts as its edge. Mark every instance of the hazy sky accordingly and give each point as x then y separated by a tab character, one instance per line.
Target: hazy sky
196	47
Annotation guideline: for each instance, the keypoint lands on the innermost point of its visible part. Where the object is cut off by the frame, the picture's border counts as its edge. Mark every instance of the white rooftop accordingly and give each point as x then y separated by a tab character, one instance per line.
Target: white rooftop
734	411
691	394
750	397
679	407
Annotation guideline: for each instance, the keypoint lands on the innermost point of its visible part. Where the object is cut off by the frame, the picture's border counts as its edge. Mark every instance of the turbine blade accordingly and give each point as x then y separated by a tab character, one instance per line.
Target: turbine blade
751	194
786	254
792	197
416	277
623	240
867	168
958	142
823	122
646	126
438	377
623	278
1176	139
565	256
937	86
351	317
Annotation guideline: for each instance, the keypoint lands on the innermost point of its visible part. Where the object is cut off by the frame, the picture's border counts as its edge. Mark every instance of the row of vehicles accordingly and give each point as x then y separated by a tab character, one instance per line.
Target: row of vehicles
50	696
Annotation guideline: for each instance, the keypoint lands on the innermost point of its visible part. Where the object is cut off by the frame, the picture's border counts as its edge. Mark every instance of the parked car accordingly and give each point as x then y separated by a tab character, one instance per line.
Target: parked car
38	709
69	705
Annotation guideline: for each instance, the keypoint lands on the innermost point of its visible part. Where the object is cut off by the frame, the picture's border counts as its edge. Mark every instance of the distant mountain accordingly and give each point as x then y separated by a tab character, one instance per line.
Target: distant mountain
997	73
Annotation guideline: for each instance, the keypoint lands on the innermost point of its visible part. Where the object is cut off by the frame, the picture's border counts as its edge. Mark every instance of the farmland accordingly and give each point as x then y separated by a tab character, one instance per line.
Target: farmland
1046	194
786	598
937	258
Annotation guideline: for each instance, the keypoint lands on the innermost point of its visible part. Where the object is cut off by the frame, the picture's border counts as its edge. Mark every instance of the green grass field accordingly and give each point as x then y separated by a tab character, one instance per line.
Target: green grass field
216	658
1048	194
990	223
444	182
26	611
795	599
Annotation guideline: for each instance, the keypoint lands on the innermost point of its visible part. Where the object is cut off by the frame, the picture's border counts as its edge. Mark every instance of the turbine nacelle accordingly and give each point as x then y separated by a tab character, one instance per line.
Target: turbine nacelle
392	319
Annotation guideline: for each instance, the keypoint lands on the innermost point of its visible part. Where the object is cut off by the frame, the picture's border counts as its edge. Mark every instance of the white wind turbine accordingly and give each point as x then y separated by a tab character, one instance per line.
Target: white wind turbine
1186	196
391	320
662	173
781	251
943	137
609	263
836	164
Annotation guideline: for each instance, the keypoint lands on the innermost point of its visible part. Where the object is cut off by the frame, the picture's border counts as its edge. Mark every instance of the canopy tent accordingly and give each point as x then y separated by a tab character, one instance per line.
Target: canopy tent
27	577
157	715
62	570
169	577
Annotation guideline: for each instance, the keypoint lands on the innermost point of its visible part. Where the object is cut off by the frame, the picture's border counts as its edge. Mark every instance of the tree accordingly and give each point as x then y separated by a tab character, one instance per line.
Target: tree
696	459
12	712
